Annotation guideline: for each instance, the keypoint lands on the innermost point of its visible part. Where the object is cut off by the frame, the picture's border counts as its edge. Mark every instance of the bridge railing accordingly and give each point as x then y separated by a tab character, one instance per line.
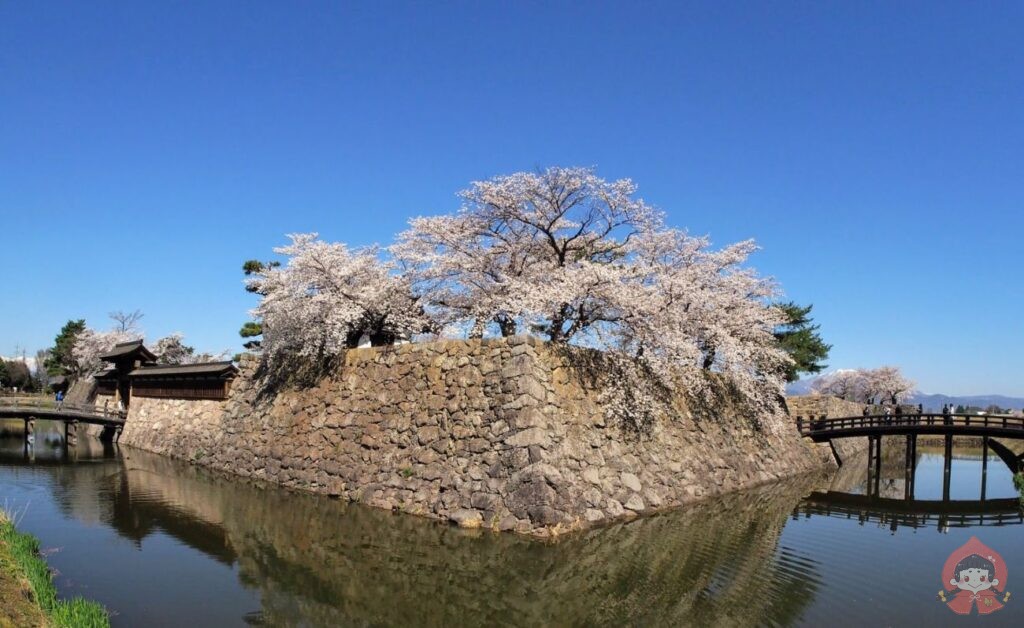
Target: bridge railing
60	407
810	426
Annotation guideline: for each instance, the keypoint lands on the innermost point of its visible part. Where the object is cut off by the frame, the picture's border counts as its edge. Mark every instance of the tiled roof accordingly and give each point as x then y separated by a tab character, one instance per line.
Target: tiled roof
226	368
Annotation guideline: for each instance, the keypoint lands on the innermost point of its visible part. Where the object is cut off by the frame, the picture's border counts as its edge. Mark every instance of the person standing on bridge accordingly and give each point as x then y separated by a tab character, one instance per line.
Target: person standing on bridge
947	417
60	400
888	415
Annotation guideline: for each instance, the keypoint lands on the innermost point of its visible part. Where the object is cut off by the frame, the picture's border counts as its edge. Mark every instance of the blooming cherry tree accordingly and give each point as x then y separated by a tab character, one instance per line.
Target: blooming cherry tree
527	248
884	384
560	253
173	350
327	298
889	384
91	344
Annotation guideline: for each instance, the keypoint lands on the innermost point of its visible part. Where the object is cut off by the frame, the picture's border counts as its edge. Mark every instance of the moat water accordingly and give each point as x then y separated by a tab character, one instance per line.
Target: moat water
163	543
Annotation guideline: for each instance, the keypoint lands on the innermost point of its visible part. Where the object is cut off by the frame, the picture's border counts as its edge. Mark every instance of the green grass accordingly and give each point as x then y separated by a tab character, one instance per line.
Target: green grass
23	550
1018	483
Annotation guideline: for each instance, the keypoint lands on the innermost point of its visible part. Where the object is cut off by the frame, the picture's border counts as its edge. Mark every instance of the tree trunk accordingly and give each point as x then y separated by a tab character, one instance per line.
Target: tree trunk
507	325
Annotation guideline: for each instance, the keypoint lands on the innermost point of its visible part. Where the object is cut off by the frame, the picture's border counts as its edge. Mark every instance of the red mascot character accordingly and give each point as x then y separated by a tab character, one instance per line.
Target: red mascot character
974	576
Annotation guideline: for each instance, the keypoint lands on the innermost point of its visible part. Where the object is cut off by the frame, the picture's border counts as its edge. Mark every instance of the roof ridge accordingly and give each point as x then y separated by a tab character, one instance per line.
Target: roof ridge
129	342
168	366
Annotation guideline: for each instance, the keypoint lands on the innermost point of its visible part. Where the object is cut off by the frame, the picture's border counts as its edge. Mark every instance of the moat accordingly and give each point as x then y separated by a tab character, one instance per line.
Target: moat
160	542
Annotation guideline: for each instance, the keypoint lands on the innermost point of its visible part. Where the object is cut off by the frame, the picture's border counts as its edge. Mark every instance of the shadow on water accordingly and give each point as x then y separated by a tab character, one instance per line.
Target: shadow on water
203	549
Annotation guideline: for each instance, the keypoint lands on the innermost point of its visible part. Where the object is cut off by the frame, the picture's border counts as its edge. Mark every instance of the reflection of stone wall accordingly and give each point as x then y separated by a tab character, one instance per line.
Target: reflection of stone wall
317	561
502	433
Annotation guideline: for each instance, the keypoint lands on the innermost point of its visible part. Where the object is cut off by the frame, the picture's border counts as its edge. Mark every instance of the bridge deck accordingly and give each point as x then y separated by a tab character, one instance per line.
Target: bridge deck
825	429
67	412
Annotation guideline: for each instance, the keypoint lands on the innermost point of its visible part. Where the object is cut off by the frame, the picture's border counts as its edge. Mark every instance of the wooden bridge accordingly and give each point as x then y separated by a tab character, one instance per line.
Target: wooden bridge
70	414
824	429
875	426
913	513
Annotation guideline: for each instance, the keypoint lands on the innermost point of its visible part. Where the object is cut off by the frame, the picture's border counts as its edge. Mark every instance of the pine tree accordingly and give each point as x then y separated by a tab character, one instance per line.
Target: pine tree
801	340
60	361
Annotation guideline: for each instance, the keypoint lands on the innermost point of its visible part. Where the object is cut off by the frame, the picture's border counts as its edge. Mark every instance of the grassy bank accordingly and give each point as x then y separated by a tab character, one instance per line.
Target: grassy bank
27	594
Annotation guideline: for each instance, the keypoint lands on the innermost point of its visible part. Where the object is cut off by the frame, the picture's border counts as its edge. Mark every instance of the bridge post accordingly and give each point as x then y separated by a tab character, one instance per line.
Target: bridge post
913	462
947	462
871	461
71	433
910	471
878	464
984	466
874	464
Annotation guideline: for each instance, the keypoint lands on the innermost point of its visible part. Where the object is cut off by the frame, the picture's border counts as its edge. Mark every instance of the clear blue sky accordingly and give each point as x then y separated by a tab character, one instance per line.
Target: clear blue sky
874	149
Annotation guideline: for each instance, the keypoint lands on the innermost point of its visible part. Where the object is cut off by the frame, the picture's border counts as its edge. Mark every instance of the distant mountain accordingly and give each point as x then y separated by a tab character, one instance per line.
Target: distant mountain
931	402
800	387
935	402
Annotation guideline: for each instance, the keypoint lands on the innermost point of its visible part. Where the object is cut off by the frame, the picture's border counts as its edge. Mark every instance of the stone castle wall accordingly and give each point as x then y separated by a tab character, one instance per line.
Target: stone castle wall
818	405
502	433
825	405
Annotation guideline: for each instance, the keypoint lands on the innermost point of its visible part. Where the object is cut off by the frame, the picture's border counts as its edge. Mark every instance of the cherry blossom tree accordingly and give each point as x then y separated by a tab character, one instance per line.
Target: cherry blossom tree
91	344
559	253
846	384
532	249
884	384
577	259
688	310
326	298
173	350
888	383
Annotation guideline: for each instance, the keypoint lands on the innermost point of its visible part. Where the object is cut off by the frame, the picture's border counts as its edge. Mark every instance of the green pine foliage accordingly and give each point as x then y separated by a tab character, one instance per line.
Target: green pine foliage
60	361
252	329
801	340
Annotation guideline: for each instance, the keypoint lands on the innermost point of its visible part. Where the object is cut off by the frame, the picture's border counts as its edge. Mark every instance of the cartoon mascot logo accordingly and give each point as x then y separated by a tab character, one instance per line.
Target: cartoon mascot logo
974	576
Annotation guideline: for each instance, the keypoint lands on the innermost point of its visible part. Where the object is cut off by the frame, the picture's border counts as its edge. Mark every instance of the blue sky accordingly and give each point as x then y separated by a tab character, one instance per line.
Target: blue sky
872	148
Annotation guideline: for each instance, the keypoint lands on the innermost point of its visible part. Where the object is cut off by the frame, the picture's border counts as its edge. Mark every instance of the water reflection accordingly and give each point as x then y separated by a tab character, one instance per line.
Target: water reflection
165	543
896	513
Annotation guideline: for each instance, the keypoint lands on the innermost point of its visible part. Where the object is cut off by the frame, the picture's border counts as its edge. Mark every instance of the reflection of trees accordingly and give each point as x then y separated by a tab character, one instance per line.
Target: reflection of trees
322	562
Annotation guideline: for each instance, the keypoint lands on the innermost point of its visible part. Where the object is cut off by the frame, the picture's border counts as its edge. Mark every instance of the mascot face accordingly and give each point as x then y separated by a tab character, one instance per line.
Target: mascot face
974	579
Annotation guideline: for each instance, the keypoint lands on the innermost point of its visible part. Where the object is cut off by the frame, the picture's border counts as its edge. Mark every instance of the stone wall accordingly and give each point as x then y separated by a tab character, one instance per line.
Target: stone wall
502	433
81	391
818	405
